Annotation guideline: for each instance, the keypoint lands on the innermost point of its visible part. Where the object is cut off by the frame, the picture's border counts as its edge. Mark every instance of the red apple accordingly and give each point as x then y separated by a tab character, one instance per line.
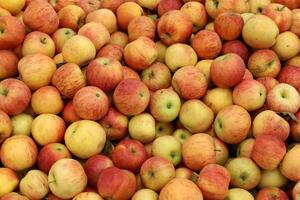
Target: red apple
167	5
291	4
290	75
6	126
69	115
14	96
94	166
236	46
126	12
72	17
50	153
269	193
90	102
113	51
141	26
111	4
8	63
129	73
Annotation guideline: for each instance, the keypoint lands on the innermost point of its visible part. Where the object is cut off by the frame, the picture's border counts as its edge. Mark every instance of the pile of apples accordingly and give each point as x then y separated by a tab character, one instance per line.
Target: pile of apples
149	99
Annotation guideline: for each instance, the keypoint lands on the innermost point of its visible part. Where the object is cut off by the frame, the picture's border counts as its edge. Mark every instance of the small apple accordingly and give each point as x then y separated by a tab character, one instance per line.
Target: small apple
8	181
105	17
165	6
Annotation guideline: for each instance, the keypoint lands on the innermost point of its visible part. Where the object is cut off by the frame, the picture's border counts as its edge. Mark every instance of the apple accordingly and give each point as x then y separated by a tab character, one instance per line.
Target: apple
14	7
264	63
237	193
270	123
161	48
12	91
165	6
6	126
8	181
197	13
271	193
37	10
260	32
38	42
4	12
214	8
126	12
111	4
111	51
71	16
59	4
283	98
244	173
47	99
257	6
207	44
295	25
115	183
20	147
156	172
181	135
281	15
9	63
214	181
188	190
66	178
272	178
119	38
136	95
268	82
288	74
58	59
223	124
167	147
60	36
204	66
290	165
165	105
94	166
136	56
69	114
295	128
141	127
105	17
129	73
85	138
89	5
163	128
13	196
141	26
34	184
268	151
21	124
151	5
236	46
183	172
213	98
105	73
79	50
88	196
179	55
245	148
49	154
294	61
36	70
291	4
198	151
145	194
296	192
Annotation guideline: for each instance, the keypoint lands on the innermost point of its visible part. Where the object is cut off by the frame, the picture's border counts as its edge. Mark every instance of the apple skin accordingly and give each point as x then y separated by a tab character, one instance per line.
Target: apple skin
47	99
281	15
268	82
14	96
165	6
156	172
221	25
94	166
236	46
295	128
290	75
48	128
9	64
244	173
136	95
245	148
194	156
129	154
227	70
279	102
129	73
69	114
224	119
71	16
136	56
269	193
49	154
37	10
141	26
34	184
6	126
68	79
212	99
250	94
291	4
115	124
165	105
126	12
111	51
21	124
85	138
189	82
89	5
260	32
188	190
119	38
66	178
115	183
25	155
270	123
85	101
36	70
79	50
214	181
12	32
145	194
13	196
237	193
289	166
207	44
60	36
295	26
8	181
105	17
105	73
268	151
272	178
